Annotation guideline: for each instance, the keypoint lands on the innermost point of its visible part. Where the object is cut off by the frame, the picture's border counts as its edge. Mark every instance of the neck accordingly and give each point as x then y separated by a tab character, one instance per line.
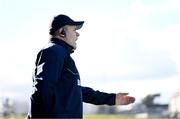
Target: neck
59	40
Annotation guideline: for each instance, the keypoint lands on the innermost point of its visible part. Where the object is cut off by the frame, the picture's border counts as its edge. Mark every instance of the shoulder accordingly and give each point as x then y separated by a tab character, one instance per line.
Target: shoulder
55	49
52	50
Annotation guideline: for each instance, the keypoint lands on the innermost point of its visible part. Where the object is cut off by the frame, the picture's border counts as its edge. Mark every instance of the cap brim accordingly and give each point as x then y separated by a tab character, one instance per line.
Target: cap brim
78	24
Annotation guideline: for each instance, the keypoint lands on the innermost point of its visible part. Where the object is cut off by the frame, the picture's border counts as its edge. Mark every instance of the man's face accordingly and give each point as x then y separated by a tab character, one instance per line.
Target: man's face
71	35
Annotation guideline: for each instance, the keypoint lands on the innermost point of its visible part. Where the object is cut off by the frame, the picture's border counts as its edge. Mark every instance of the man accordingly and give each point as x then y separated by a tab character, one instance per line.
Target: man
57	89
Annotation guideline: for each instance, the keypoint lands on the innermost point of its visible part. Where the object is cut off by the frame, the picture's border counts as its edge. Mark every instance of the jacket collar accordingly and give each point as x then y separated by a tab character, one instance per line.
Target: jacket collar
63	43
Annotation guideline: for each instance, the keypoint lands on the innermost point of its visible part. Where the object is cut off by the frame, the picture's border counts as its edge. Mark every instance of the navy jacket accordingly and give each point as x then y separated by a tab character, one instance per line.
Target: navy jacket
57	91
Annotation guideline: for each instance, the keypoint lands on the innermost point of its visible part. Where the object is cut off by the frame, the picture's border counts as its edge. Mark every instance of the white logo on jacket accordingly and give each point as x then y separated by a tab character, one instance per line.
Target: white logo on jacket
39	69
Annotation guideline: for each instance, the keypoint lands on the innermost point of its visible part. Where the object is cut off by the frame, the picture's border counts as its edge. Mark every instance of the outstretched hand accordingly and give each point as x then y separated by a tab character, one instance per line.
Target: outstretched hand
124	99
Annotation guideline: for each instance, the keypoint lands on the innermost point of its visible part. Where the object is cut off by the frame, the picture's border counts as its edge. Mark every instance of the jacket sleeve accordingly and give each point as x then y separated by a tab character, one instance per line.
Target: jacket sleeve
97	97
48	66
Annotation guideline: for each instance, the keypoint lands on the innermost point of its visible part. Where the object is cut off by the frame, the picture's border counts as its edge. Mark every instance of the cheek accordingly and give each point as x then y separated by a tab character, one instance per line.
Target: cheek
72	38
74	34
71	35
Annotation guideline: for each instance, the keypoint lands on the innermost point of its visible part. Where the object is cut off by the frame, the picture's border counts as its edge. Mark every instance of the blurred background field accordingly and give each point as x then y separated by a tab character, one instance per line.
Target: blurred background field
93	116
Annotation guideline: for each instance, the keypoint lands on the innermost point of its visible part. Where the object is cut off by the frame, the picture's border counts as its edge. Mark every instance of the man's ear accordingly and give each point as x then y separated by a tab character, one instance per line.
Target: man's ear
62	32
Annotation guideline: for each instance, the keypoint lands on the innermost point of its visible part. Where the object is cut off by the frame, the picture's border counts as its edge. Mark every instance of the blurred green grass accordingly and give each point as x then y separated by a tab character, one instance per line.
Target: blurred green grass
104	116
107	117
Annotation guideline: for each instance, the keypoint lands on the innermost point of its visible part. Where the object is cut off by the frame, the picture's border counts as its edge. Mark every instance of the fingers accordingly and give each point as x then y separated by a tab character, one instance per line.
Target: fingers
130	99
127	100
124	99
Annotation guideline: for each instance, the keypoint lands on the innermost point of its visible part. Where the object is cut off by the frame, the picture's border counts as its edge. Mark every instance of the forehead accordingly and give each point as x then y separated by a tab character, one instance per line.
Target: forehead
71	27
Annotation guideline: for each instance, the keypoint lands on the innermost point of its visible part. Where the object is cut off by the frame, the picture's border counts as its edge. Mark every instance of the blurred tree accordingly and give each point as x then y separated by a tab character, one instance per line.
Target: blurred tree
149	99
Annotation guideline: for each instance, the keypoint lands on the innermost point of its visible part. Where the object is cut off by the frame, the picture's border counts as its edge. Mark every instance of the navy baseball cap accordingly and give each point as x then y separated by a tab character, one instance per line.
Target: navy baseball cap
62	20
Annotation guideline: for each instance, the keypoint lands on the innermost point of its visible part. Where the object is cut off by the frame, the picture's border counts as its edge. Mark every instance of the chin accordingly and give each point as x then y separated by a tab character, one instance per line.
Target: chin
74	47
